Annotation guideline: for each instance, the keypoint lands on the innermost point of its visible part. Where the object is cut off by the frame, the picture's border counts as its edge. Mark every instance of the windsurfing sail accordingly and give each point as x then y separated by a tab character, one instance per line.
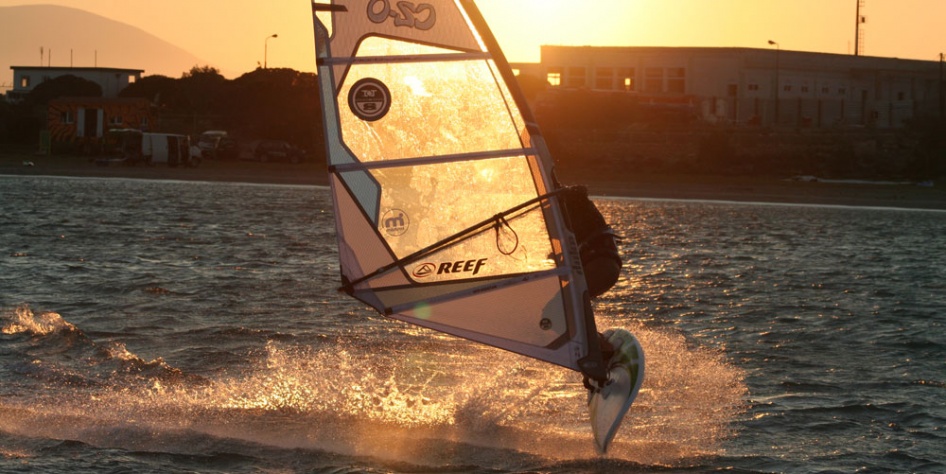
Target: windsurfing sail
446	207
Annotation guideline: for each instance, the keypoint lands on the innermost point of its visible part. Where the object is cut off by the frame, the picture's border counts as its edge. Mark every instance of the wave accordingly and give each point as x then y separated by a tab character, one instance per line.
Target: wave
360	397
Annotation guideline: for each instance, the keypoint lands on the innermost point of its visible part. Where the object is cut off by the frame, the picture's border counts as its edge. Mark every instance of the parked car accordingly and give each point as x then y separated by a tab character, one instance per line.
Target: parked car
217	145
277	150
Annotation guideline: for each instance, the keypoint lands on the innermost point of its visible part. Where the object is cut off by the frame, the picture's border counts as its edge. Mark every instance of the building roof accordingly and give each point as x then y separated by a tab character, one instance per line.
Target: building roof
77	69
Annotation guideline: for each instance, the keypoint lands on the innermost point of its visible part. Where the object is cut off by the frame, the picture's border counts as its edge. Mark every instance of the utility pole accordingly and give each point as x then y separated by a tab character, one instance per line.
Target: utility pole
778	50
858	35
942	99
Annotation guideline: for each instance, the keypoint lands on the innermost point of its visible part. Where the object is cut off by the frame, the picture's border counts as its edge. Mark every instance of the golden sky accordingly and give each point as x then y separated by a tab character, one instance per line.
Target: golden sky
231	35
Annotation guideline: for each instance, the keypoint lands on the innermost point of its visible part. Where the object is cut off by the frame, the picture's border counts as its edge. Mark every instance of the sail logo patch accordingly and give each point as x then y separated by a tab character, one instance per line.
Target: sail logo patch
422	16
369	99
428	269
395	222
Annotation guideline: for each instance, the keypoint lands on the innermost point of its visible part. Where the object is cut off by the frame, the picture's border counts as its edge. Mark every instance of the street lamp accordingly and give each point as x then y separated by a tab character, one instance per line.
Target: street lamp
266	47
777	51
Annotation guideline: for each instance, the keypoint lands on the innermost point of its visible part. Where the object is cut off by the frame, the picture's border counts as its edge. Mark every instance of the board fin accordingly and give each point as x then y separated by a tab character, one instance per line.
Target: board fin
608	404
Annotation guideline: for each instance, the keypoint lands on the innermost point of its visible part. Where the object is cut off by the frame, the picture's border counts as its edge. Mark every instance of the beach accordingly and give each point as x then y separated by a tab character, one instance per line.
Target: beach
630	185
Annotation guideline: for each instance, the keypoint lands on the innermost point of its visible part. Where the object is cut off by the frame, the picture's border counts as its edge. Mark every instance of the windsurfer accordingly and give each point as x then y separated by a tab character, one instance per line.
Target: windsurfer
597	243
600	259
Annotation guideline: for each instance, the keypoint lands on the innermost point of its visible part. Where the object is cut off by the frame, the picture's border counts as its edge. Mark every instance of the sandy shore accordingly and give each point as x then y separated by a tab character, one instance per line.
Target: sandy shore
723	188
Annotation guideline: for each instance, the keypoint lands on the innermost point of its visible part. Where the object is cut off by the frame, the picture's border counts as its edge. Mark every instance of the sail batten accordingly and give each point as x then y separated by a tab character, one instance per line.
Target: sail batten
422	58
429	160
446	210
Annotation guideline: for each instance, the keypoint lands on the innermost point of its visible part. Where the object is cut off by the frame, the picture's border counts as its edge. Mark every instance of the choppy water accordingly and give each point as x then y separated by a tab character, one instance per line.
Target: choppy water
194	327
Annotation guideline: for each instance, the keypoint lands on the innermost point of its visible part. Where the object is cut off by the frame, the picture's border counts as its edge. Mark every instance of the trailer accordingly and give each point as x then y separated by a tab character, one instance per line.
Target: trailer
170	148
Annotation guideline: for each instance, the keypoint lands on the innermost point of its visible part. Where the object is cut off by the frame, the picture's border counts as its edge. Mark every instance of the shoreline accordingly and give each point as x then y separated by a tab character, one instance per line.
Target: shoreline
645	186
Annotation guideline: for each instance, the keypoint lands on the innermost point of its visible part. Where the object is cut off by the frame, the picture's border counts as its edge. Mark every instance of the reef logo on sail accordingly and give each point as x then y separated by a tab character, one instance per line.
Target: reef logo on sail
428	269
369	99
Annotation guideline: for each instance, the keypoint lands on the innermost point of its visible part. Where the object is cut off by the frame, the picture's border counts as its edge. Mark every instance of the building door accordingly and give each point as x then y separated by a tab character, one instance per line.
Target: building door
90	123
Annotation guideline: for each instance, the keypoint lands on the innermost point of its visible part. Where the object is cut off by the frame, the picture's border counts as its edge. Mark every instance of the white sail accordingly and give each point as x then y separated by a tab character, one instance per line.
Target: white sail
445	205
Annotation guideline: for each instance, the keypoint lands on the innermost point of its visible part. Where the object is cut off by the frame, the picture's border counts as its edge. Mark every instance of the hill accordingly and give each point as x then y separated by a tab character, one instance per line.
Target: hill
73	37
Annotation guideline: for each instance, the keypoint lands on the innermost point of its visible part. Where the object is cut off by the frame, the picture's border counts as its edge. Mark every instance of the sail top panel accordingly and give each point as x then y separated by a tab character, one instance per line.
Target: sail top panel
436	23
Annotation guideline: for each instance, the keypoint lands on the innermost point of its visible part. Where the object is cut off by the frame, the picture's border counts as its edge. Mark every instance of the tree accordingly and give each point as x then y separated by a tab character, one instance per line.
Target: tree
275	103
62	86
531	86
162	91
201	87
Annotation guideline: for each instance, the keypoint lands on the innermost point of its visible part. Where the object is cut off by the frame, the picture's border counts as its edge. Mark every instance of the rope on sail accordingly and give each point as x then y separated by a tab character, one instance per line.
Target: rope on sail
497	221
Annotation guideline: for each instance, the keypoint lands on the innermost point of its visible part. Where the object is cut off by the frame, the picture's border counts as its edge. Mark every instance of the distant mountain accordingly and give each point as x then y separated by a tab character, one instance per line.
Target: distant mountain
82	39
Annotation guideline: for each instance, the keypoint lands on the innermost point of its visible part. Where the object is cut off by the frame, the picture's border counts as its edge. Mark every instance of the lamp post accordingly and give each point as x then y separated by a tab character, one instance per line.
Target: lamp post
266	48
777	51
942	86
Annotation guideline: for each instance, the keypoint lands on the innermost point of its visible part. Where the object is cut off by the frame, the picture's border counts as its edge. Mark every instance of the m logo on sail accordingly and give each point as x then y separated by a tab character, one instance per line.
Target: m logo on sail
395	222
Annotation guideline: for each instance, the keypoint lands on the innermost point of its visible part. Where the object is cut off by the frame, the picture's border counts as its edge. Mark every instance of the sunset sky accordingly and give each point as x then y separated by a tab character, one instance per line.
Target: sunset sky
231	35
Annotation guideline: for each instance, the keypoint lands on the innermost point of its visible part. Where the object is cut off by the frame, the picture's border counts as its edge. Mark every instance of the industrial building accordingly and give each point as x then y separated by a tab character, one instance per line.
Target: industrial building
111	80
754	86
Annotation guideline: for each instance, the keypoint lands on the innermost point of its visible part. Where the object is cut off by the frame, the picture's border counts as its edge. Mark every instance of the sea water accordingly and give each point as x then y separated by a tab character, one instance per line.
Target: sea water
160	326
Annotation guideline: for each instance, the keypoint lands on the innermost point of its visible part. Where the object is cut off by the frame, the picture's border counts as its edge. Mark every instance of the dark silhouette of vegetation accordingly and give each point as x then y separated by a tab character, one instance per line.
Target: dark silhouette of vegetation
531	86
281	104
62	86
162	91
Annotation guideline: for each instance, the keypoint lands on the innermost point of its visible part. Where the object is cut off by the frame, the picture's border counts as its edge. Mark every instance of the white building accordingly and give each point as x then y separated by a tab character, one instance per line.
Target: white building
755	86
111	80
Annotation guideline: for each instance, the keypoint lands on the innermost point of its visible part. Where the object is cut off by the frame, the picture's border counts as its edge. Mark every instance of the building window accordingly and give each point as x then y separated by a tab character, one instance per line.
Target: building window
604	78
676	80
842	91
732	90
576	77
825	90
67	118
24	82
901	96
653	79
787	88
115	120
132	78
554	76
753	87
144	122
804	89
626	78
